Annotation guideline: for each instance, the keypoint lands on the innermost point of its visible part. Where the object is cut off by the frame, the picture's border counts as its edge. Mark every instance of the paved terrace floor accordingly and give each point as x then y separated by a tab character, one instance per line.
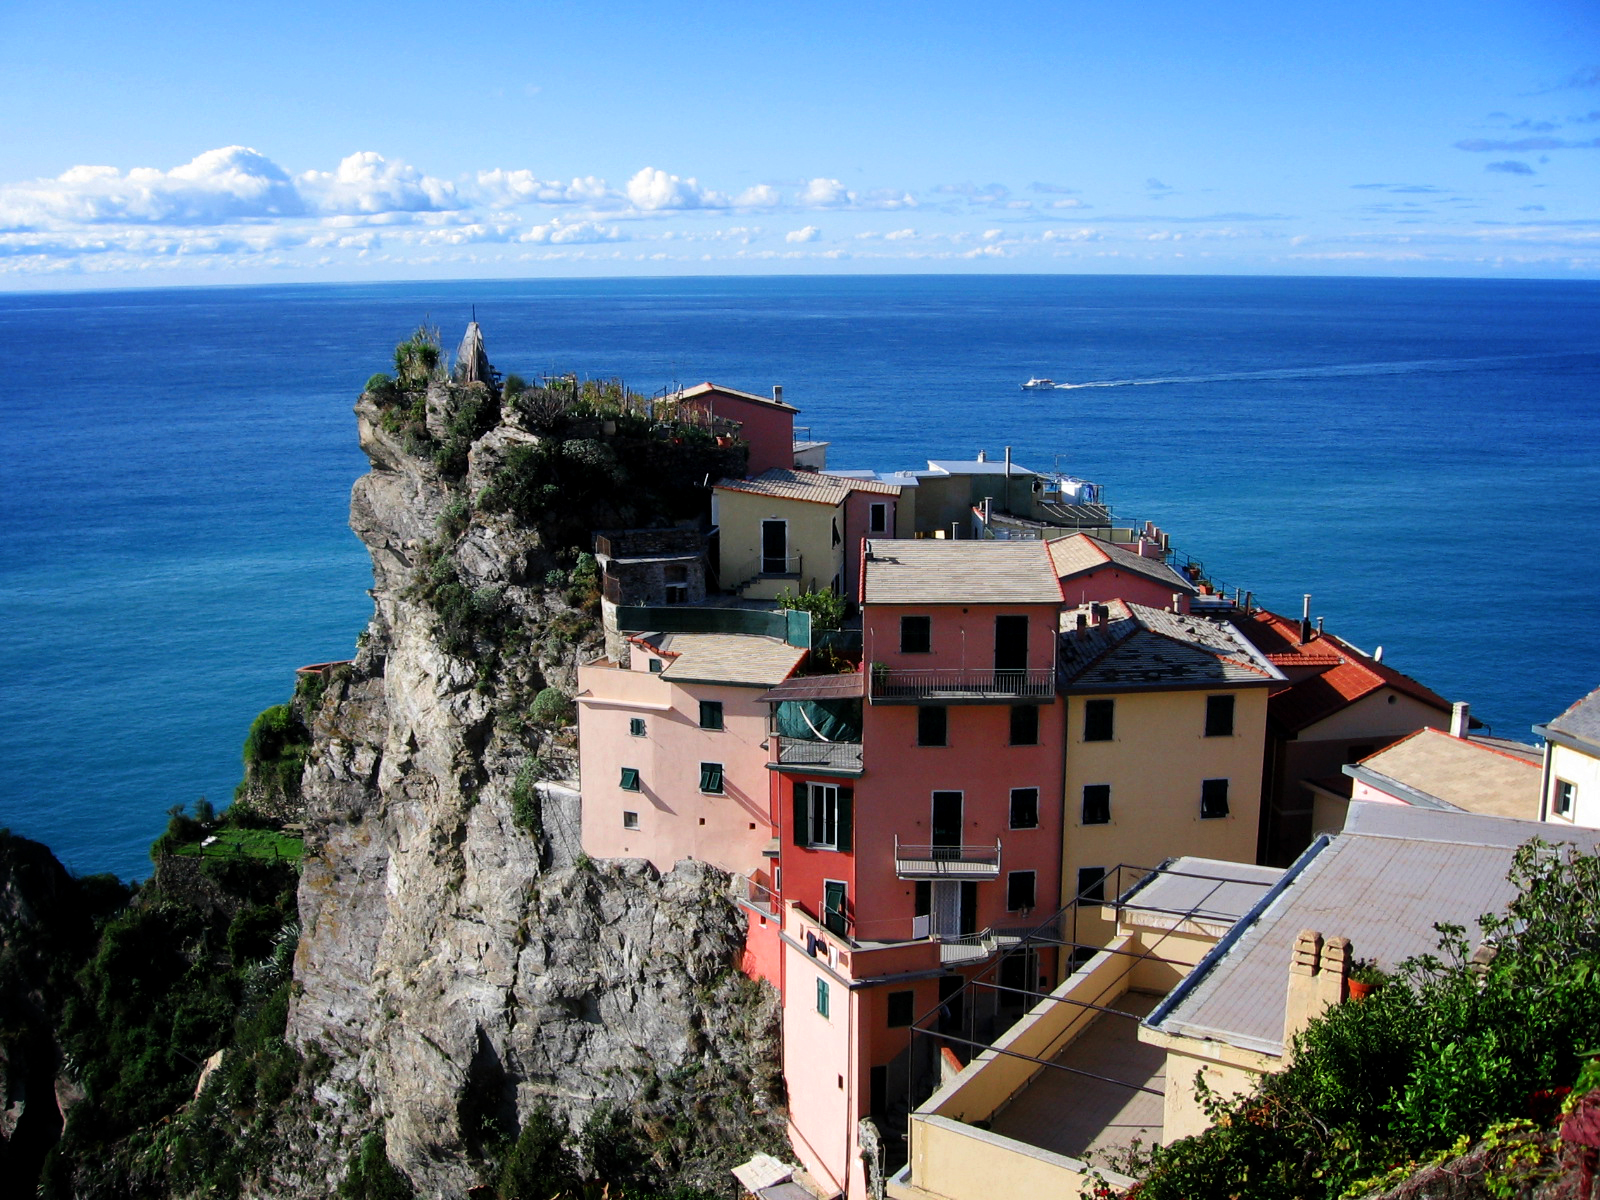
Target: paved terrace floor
1081	1117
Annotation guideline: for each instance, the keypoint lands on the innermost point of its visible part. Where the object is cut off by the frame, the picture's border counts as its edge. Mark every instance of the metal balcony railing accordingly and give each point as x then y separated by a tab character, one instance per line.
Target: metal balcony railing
959	684
831	756
752	893
914	861
773	564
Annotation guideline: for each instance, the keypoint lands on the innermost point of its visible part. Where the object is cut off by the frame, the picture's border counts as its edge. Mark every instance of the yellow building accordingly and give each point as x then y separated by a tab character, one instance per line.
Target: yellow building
797	531
1166	727
1570	792
1114	1051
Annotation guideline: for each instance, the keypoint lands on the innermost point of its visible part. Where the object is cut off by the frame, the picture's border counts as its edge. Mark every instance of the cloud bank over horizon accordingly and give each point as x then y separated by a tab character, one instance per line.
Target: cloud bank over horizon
235	209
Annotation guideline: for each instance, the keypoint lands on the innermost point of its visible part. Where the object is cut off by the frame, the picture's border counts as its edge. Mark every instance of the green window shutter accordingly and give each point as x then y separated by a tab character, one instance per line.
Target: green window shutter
802	815
822	997
630	779
636	727
711	777
847	818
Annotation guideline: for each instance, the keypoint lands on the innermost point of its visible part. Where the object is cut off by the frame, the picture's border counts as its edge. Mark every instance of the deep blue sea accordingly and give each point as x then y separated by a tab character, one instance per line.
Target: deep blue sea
1422	456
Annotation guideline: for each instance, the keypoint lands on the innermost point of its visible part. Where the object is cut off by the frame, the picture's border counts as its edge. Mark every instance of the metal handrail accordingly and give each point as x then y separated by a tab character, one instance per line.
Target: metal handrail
899	683
798	752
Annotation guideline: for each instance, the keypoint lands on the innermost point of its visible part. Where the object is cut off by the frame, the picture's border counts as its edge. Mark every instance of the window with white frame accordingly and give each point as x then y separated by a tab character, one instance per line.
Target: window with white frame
1565	797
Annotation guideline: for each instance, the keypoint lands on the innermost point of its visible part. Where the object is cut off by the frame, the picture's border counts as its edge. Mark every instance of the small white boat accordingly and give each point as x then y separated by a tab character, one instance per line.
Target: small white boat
1039	385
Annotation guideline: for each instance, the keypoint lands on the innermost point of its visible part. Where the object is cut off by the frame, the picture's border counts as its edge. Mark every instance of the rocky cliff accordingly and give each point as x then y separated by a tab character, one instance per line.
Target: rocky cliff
461	965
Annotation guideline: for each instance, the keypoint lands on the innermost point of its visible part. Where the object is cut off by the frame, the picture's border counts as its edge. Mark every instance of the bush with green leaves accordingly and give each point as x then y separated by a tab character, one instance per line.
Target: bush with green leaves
1440	1053
552	708
826	607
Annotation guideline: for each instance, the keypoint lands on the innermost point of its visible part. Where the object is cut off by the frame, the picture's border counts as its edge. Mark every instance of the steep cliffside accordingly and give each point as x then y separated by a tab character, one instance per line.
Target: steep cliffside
461	965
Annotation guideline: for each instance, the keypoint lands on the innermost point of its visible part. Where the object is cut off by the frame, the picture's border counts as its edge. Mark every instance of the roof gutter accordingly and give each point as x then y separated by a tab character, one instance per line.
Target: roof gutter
1215	955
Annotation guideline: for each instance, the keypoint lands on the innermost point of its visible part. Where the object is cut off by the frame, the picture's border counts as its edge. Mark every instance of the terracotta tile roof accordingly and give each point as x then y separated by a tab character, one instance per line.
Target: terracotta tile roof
1343	673
703	389
1460	772
942	571
1146	648
1080	553
811	486
728	658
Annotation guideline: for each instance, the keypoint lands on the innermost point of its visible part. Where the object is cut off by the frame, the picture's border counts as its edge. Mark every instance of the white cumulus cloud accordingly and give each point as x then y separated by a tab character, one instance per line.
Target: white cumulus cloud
506	188
233	183
653	190
558	233
808	234
367	182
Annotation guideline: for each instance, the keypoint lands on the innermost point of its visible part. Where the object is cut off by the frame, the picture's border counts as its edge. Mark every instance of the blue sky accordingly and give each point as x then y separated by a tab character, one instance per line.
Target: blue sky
174	142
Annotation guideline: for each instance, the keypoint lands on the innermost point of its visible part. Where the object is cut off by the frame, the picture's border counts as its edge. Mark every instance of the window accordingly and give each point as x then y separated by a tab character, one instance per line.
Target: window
677	593
1219	716
711	714
1024	724
655	666
630	779
1019	891
902	1009
711	778
932	725
1097	804
834	919
636	727
1213	798
836	538
823	816
1098	720
630	820
1024	808
1566	796
878	518
916	635
822	997
1091	885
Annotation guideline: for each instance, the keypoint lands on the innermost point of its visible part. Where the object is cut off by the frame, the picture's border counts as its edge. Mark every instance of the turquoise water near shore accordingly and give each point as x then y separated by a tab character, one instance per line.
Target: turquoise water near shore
1421	455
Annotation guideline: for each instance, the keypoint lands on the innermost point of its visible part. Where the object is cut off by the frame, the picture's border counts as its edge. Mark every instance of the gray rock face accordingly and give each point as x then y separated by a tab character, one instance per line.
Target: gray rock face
453	963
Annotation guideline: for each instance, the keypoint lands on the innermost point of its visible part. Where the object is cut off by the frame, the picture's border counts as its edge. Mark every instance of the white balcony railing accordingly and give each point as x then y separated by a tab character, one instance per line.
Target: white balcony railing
958	684
828	756
915	861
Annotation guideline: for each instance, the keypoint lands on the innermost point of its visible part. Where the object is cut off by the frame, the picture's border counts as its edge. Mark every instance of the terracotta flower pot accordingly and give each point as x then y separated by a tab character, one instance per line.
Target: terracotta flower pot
1359	990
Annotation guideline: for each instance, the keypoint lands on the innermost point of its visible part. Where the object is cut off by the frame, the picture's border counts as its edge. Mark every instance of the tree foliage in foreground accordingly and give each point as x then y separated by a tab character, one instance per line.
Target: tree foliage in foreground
1438	1054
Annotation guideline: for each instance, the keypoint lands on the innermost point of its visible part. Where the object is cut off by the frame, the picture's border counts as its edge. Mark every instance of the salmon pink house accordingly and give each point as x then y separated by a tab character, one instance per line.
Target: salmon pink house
919	842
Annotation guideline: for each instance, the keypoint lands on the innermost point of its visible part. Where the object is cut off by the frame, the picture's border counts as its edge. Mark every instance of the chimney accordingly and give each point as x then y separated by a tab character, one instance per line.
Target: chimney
1460	719
1319	626
1249	603
1318	972
1083	624
1305	620
777	393
1177	602
983	456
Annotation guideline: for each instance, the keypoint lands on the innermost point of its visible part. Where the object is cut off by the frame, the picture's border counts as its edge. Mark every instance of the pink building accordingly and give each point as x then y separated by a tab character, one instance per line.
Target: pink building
765	422
673	749
1093	571
915	847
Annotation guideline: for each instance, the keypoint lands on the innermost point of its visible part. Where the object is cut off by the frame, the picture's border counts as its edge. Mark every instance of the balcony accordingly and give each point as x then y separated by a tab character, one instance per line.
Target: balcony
972	862
817	758
959	685
753	893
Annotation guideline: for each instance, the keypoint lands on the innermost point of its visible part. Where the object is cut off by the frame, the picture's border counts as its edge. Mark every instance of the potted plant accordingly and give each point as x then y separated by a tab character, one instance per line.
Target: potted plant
1365	978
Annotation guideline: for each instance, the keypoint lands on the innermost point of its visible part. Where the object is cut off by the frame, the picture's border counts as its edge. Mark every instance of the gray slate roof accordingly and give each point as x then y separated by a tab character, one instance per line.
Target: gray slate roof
1140	647
1382	883
1206	889
940	571
1581	721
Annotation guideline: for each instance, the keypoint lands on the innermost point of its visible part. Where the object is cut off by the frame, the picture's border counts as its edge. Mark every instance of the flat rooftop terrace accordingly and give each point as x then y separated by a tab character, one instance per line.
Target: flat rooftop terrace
1084	1118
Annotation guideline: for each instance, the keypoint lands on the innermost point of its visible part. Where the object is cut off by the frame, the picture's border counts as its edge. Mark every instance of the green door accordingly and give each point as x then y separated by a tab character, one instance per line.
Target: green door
833	918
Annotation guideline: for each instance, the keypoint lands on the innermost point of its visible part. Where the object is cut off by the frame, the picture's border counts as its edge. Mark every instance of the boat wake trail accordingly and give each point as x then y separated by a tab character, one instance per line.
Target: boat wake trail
1349	371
